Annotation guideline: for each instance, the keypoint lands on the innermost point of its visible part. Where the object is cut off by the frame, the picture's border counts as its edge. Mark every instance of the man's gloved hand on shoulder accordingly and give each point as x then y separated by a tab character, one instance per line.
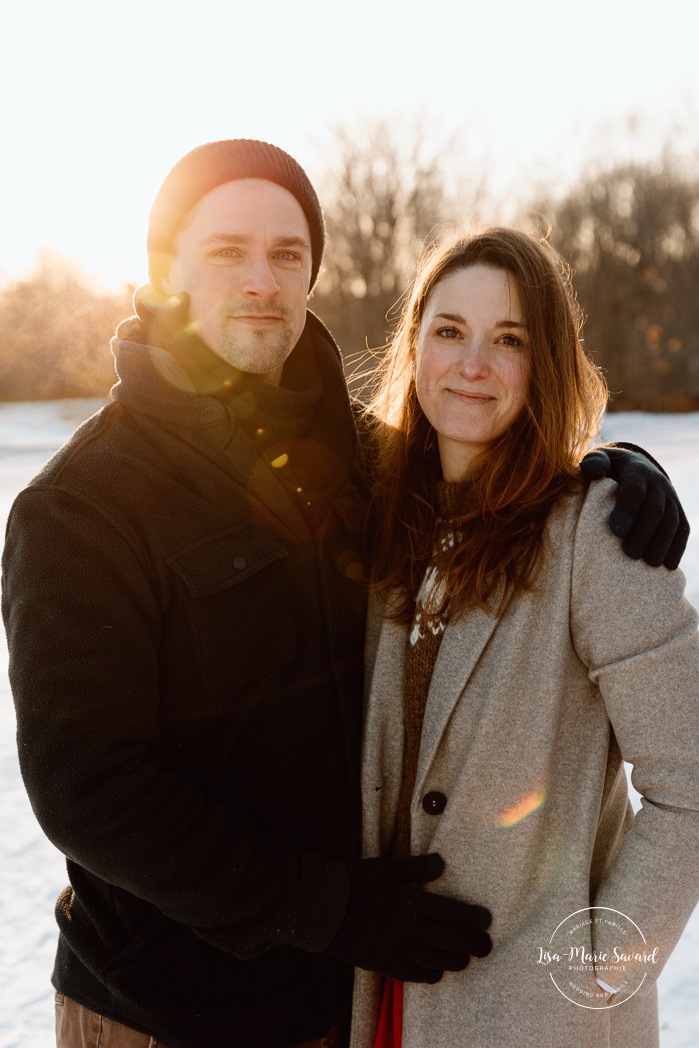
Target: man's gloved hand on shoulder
647	514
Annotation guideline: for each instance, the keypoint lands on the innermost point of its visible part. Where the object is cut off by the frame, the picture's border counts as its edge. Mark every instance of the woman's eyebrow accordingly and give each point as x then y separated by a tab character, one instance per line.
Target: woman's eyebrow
458	319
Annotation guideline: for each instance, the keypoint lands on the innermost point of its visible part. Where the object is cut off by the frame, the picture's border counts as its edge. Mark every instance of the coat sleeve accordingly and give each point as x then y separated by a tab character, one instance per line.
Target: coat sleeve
637	634
83	614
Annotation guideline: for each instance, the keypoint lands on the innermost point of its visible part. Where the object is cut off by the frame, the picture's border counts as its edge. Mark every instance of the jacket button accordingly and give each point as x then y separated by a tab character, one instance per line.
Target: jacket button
240	563
434	803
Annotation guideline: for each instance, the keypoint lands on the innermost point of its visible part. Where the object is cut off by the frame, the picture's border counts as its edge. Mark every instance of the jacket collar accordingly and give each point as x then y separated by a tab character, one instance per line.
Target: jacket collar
153	385
153	382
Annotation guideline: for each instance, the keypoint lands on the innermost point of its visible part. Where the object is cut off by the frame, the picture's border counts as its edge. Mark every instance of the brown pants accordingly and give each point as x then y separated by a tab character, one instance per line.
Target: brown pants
78	1027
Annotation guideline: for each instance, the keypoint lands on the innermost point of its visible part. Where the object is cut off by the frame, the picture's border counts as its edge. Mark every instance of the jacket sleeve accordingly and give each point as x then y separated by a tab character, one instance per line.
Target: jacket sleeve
82	608
637	634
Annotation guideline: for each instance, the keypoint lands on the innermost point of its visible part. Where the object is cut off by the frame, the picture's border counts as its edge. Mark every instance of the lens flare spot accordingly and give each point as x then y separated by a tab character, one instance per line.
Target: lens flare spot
351	565
246	405
279	461
511	816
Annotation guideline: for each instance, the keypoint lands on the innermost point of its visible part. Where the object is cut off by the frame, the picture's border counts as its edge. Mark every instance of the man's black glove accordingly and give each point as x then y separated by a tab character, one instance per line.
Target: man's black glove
394	927
647	514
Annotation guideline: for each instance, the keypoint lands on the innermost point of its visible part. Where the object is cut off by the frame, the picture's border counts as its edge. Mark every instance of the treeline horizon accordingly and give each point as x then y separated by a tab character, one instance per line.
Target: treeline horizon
630	233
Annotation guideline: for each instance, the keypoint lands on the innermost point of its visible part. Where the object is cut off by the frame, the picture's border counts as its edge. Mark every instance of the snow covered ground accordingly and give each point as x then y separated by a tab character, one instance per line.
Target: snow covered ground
32	871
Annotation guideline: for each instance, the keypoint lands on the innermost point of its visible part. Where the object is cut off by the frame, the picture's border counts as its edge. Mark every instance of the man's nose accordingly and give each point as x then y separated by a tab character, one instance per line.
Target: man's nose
259	278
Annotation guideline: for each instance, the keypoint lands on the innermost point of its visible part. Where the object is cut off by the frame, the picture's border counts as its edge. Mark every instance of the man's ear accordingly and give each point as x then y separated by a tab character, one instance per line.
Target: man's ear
164	273
171	280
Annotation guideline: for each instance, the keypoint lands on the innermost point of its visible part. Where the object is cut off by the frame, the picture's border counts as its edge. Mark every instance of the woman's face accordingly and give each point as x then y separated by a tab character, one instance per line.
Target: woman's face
472	362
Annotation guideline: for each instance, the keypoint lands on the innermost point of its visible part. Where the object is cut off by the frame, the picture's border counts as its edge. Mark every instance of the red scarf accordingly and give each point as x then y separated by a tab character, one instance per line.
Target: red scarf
389	1029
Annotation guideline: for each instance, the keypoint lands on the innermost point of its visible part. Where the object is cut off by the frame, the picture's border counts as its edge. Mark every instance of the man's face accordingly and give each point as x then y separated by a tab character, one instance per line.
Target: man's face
244	259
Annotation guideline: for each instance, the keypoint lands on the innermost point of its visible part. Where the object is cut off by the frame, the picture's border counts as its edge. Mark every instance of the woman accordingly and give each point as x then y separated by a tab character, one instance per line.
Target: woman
514	659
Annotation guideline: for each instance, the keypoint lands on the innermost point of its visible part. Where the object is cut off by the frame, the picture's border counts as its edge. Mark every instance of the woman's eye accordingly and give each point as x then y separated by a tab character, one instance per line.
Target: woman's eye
511	340
447	332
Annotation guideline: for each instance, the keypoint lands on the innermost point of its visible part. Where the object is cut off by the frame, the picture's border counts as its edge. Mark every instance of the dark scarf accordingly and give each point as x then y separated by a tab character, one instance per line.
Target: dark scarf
284	421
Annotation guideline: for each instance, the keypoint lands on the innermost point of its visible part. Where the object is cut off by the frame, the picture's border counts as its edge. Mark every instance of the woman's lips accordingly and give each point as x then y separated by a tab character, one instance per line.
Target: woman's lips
470	397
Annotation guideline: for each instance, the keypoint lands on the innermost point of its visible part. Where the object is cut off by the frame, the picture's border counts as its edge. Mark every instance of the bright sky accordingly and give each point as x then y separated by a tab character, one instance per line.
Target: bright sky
99	100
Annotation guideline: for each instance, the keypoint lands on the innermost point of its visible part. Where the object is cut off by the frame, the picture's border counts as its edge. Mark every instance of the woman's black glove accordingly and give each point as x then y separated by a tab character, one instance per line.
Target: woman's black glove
394	927
647	514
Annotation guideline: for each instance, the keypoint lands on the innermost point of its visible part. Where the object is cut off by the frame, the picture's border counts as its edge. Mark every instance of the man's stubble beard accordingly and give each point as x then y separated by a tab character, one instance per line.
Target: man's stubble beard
273	349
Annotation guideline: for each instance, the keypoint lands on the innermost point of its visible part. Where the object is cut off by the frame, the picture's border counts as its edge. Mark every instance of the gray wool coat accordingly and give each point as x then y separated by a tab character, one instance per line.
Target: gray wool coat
528	718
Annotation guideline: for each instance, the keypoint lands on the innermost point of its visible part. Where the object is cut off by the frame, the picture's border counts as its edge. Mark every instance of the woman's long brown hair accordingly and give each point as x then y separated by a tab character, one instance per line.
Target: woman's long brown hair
515	483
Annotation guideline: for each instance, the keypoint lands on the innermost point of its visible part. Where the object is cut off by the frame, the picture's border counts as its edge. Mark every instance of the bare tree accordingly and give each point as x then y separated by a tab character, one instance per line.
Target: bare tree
54	332
632	236
384	197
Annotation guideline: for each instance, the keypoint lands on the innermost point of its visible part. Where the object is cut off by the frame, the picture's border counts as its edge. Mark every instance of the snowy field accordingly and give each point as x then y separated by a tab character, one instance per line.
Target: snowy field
32	872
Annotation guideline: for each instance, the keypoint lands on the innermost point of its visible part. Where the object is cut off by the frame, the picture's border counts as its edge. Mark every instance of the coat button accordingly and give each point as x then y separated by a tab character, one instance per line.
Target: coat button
240	563
434	803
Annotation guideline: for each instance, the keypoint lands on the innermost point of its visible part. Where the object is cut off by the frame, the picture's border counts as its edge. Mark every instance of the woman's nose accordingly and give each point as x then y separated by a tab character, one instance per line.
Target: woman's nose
473	361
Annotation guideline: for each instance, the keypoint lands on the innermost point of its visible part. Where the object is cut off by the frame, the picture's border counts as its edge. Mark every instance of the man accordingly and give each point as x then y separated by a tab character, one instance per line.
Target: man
184	602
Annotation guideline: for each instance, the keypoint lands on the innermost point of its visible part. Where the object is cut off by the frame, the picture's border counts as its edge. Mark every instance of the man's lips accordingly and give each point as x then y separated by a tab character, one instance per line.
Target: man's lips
257	319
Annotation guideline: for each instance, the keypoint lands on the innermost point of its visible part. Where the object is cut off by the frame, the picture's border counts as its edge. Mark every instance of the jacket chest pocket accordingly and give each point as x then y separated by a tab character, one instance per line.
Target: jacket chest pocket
237	604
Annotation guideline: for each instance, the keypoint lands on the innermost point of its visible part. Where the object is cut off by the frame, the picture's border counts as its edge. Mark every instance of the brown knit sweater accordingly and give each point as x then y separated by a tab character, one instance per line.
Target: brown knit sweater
425	636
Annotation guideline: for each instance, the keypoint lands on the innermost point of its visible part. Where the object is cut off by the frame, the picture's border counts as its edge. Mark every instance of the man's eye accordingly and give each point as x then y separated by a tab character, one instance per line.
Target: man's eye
225	252
288	256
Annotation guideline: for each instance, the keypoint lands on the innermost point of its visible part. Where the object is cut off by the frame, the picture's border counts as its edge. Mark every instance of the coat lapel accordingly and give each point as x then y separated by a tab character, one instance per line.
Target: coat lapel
462	646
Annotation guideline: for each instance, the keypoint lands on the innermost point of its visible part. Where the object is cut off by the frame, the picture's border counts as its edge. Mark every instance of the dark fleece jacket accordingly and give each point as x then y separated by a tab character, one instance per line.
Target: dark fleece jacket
186	664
